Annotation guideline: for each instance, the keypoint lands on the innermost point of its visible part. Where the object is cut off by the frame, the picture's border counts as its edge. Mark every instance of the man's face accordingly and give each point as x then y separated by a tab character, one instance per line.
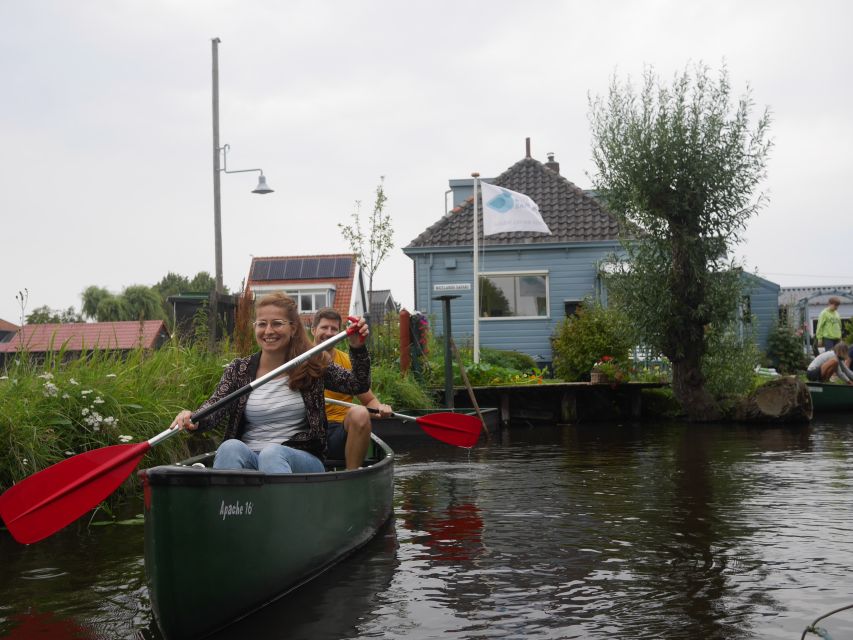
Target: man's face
325	329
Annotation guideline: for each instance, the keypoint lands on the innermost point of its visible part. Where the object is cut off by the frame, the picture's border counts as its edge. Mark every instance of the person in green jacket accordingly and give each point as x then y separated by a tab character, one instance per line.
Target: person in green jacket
828	331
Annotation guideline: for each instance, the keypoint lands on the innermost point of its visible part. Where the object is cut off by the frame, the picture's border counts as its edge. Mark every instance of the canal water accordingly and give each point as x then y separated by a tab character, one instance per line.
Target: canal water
596	531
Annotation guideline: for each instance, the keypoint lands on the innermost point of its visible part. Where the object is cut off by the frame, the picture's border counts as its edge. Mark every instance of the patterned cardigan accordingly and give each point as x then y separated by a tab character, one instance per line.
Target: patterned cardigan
242	371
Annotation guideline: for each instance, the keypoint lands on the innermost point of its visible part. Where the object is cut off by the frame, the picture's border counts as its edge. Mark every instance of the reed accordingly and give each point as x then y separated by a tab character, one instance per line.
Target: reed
60	407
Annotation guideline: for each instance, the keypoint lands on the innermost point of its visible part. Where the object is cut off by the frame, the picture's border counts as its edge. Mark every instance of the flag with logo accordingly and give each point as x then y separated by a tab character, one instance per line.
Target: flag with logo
505	210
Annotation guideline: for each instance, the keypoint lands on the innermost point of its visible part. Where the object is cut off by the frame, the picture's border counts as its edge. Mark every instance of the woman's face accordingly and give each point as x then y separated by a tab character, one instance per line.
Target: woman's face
273	330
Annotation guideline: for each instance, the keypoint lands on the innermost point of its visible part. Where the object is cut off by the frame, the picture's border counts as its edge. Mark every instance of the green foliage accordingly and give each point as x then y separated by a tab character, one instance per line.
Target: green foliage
580	340
678	165
507	359
46	315
785	350
372	247
399	391
729	363
57	409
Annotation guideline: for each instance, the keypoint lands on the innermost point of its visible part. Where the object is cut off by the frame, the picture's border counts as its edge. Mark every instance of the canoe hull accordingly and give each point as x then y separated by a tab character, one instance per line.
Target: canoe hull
827	397
221	544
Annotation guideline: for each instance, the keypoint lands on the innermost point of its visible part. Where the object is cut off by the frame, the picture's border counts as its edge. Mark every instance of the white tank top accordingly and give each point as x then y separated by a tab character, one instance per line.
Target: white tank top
274	413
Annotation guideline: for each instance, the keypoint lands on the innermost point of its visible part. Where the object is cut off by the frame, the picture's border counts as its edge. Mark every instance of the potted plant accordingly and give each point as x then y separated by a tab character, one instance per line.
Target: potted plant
606	370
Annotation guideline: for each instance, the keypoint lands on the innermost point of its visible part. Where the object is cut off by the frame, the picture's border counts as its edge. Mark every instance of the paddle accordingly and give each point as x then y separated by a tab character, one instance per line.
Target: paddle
45	502
458	429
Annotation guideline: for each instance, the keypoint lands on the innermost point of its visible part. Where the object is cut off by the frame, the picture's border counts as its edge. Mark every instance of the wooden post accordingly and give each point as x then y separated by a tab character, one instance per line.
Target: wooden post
405	341
568	407
471	395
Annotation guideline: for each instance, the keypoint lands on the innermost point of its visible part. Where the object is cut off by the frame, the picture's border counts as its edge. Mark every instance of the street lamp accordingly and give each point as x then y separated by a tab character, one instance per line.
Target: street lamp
222	151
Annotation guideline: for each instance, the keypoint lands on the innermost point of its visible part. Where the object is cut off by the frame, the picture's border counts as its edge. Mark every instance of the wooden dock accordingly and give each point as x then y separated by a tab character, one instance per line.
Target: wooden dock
561	402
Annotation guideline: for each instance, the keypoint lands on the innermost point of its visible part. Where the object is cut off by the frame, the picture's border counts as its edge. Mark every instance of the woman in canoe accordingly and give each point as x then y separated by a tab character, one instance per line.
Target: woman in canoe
829	363
280	427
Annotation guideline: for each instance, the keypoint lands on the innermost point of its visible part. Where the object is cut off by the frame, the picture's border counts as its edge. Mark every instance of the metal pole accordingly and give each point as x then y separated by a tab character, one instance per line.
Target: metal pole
217	200
448	353
476	263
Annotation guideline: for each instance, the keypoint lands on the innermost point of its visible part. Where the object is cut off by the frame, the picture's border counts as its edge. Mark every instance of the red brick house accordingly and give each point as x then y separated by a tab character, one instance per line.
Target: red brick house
332	280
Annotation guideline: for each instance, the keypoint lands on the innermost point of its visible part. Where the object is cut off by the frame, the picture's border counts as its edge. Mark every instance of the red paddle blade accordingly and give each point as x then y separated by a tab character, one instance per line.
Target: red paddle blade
458	429
45	502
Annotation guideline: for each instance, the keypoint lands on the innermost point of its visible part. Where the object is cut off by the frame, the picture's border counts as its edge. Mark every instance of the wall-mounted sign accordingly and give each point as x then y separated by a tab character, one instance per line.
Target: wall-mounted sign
454	286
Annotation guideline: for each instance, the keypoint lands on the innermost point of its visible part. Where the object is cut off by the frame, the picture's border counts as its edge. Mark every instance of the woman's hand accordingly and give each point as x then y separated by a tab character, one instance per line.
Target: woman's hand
183	421
357	338
384	410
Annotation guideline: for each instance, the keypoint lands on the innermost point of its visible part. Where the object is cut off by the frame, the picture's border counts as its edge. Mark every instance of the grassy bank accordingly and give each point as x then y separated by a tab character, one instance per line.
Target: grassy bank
53	410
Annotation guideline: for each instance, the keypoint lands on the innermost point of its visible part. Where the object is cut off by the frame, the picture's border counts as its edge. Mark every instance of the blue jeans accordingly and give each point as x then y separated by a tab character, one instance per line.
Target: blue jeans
273	458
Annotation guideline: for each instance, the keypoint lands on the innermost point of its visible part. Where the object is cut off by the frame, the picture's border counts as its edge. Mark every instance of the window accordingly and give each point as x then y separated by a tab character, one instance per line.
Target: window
514	295
312	300
571	307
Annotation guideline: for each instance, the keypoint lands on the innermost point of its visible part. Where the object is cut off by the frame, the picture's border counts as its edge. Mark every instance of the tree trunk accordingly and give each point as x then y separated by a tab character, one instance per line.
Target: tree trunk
688	385
784	399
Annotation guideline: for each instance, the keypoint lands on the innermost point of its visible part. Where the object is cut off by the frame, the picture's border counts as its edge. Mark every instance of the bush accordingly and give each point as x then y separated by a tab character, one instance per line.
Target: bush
581	340
508	359
785	350
399	391
729	363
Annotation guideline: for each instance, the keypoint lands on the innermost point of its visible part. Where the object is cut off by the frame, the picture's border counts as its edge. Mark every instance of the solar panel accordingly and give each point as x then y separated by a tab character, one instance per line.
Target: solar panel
277	269
342	267
309	267
261	270
326	268
292	268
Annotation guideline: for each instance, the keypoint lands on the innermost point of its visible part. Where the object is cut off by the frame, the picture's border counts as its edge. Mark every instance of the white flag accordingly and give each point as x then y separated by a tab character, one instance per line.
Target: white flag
505	210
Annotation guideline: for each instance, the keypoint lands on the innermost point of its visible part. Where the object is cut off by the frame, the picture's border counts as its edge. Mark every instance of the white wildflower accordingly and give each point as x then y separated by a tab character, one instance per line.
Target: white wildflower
4	377
50	390
86	392
85	411
72	381
111	375
110	421
46	376
69	453
125	439
98	400
26	462
65	396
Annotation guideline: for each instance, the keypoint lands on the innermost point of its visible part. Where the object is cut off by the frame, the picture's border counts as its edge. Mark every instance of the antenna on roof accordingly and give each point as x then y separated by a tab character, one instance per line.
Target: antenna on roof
527	147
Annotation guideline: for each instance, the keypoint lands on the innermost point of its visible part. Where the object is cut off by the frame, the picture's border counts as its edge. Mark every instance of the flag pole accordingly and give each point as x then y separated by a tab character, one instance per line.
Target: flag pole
476	177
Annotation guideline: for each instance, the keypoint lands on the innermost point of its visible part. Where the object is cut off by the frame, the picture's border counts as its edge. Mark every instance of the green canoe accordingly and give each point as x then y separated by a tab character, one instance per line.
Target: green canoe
222	544
828	396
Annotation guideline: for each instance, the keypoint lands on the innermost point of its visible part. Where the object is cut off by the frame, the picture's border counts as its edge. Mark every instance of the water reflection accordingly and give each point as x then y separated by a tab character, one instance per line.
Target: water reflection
629	531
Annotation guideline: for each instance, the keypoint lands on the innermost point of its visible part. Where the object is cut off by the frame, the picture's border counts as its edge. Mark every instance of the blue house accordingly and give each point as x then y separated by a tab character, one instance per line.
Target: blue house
528	281
759	308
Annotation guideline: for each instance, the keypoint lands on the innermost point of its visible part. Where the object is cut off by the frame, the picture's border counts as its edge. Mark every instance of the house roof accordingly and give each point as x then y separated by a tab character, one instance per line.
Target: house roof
571	214
301	272
8	326
79	336
818	295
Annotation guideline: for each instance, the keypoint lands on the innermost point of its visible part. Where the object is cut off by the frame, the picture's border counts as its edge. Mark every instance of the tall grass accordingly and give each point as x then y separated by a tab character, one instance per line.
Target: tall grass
52	410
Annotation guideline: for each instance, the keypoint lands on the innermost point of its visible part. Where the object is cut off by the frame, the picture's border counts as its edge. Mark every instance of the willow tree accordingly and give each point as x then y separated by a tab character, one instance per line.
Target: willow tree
679	166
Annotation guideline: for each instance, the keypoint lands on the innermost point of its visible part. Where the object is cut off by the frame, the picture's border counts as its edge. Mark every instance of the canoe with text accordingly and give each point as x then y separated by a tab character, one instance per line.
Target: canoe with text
222	544
829	396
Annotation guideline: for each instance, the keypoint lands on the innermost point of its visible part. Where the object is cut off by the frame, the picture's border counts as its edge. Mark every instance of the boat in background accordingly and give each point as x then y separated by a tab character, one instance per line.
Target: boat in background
222	544
829	396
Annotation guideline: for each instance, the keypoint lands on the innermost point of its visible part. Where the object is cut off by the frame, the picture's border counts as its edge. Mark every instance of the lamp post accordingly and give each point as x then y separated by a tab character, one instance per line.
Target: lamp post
262	187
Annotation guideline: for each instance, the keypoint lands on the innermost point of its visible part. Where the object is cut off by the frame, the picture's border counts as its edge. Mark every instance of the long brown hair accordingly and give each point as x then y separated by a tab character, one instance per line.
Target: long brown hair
303	375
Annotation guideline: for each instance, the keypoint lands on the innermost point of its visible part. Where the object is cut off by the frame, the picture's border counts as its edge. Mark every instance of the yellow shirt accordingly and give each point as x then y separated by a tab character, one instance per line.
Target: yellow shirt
335	413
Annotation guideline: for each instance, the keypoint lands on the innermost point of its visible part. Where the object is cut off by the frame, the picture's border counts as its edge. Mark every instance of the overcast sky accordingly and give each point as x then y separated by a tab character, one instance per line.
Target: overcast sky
105	123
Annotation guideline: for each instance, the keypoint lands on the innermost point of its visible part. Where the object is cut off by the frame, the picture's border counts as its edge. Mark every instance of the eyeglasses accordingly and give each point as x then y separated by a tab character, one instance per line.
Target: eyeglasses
275	324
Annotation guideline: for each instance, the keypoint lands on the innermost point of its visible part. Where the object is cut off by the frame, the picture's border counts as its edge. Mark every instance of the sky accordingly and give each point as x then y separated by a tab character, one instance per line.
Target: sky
106	174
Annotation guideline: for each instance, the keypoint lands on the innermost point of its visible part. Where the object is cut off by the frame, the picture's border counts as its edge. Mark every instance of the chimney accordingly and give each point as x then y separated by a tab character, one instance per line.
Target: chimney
551	164
527	147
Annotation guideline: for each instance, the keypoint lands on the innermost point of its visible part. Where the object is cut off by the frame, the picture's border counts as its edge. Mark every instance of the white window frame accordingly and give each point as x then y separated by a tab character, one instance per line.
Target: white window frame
545	273
296	293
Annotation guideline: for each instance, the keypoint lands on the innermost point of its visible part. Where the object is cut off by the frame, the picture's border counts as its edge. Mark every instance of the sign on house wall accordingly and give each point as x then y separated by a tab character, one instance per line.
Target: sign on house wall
453	286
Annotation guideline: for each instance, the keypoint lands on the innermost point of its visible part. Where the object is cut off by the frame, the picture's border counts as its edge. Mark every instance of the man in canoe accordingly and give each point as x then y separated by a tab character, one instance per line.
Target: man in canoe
349	428
280	426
